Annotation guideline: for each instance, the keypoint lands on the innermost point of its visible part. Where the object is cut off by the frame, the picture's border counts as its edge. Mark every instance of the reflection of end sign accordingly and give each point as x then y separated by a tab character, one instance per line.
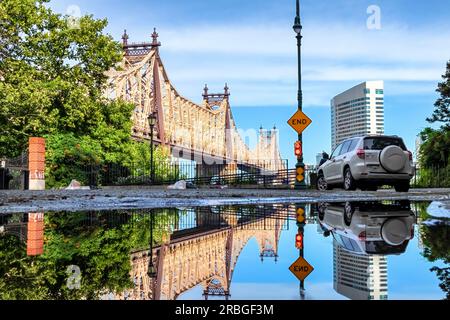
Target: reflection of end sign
299	122
301	269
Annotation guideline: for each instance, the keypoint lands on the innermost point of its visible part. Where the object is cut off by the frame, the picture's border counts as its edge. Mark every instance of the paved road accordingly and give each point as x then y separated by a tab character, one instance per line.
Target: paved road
144	197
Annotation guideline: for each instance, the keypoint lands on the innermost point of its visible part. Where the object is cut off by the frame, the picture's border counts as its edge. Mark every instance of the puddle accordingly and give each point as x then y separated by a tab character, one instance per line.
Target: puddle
359	250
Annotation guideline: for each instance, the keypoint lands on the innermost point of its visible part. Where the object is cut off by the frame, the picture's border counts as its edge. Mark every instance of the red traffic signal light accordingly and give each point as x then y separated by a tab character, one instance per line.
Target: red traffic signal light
299	241
298	149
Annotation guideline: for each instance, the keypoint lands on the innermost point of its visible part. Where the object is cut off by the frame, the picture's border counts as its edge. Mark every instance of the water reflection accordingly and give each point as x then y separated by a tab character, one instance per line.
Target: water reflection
203	249
162	254
364	233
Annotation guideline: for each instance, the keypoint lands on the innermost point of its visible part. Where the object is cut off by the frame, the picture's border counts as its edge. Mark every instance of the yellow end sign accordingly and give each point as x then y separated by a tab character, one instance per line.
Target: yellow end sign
299	122
301	269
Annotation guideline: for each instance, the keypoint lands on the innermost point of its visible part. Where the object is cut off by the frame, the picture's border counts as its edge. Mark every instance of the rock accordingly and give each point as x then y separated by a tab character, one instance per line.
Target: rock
180	185
76	185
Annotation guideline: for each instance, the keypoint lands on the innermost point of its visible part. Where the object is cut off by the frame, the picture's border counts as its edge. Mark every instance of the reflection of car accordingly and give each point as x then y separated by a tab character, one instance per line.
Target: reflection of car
367	162
369	227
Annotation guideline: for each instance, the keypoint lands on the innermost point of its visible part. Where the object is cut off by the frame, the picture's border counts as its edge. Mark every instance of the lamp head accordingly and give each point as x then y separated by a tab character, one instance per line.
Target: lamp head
152	120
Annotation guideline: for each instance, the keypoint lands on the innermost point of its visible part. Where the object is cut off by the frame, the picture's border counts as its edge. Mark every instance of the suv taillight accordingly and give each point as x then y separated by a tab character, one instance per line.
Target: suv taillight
361	154
410	155
362	236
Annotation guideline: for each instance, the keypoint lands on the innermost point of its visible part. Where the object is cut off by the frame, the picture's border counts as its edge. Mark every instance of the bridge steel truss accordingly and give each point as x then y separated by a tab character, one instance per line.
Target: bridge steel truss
206	133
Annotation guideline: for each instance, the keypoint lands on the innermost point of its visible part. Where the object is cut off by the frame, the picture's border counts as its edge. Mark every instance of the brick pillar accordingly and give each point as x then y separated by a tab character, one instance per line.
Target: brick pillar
35	234
36	163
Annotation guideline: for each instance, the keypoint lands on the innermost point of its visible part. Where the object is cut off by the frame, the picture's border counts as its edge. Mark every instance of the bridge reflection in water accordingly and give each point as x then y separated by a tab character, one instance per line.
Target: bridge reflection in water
203	249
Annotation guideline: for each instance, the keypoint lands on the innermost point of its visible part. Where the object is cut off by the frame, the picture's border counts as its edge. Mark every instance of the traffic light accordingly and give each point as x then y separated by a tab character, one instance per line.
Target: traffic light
298	149
300	174
301	216
299	241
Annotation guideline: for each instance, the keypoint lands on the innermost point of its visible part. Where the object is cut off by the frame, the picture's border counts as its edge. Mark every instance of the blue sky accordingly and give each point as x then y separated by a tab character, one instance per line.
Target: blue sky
251	45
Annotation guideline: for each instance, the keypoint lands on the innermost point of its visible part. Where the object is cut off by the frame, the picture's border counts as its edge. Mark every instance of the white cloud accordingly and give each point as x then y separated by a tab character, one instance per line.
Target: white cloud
333	41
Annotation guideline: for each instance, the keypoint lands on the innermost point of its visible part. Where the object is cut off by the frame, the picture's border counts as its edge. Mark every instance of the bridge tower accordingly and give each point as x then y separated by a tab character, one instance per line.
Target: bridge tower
268	239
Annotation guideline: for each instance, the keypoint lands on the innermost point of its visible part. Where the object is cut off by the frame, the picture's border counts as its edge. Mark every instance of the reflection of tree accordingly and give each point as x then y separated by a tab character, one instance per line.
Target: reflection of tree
99	244
435	240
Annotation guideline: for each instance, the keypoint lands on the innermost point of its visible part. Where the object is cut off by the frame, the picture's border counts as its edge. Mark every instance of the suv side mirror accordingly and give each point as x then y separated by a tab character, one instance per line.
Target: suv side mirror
326	156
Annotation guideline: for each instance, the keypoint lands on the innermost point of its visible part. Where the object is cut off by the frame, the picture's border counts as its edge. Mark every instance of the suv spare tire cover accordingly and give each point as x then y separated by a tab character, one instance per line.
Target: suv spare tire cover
394	232
393	159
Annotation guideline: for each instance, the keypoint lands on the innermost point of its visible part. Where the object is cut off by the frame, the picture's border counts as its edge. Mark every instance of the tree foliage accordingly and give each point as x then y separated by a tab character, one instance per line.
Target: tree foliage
435	150
442	105
52	84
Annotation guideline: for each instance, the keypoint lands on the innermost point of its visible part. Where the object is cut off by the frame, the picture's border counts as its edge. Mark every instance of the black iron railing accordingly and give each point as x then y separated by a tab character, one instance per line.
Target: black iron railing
269	175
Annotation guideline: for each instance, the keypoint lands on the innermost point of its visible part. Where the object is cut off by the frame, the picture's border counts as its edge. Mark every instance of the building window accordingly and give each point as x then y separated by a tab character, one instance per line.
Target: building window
366	91
379	91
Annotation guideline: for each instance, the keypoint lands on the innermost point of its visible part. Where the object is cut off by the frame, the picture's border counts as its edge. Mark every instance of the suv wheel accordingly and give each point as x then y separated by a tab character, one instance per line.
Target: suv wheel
349	181
349	210
402	186
322	184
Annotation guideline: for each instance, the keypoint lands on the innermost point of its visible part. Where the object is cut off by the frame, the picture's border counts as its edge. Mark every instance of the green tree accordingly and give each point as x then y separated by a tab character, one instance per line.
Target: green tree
442	105
52	84
435	150
53	77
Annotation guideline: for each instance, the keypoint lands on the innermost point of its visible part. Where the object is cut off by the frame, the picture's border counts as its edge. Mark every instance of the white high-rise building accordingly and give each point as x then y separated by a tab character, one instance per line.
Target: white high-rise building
359	277
357	111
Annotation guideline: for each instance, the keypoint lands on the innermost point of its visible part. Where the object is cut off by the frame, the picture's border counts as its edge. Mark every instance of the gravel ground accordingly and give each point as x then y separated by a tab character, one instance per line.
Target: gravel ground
144	197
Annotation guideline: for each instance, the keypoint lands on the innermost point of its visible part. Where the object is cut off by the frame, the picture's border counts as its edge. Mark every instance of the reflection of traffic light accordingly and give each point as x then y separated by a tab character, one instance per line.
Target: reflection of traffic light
300	174
301	216
299	241
298	149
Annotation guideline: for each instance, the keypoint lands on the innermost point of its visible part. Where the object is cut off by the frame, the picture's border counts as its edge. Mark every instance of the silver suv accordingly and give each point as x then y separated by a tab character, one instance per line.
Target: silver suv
367	162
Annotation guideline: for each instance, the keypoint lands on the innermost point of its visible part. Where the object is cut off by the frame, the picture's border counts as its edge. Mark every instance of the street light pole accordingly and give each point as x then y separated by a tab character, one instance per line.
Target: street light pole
152	123
298	30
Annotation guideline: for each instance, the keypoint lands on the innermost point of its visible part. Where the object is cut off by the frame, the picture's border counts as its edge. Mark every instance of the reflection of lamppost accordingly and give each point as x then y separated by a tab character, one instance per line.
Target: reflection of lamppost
151	267
152	123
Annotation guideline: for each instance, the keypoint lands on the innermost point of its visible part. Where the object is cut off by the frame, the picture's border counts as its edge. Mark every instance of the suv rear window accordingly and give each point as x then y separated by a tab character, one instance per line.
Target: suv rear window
379	143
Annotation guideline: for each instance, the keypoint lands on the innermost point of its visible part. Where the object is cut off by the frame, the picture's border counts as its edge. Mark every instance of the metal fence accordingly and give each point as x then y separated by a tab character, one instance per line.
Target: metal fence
14	173
165	173
434	177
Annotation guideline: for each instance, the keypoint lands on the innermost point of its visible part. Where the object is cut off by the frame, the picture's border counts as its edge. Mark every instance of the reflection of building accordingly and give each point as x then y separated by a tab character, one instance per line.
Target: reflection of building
359	277
357	111
35	235
30	230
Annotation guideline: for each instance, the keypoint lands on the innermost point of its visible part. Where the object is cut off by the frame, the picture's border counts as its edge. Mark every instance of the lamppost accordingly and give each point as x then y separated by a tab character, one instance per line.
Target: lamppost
298	30
151	272
152	123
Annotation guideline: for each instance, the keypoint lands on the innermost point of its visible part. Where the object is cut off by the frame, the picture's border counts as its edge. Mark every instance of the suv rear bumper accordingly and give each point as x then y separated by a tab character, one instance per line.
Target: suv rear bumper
379	178
365	174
